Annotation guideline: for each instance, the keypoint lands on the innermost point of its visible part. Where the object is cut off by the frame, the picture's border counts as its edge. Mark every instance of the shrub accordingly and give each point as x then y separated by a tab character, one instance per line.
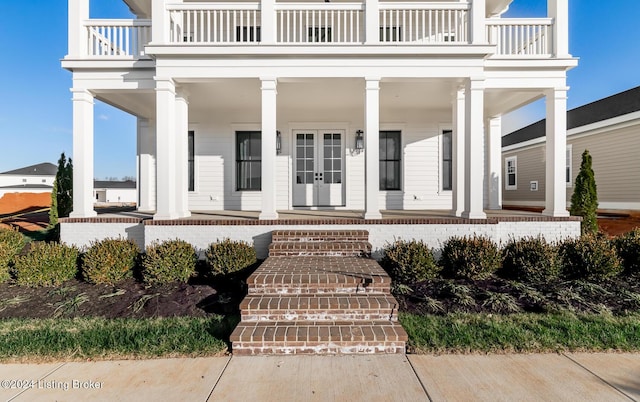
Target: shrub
473	257
591	257
109	261
13	239
530	260
6	255
46	264
169	261
584	201
229	256
408	262
628	247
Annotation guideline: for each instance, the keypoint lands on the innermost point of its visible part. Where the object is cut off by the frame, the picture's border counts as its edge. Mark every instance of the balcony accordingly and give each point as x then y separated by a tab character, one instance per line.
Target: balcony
316	24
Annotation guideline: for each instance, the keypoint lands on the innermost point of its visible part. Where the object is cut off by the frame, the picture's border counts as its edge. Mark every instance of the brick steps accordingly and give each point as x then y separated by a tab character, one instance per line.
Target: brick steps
315	294
316	307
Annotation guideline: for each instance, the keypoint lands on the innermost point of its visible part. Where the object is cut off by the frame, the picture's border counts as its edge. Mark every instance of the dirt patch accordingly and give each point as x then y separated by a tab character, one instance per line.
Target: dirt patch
620	224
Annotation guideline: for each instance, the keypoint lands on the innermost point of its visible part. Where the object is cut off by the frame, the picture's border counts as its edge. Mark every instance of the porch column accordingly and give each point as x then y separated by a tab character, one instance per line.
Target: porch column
78	13
372	22
268	186
494	162
182	154
478	14
559	11
268	22
372	148
146	166
556	148
457	171
474	149
82	154
166	187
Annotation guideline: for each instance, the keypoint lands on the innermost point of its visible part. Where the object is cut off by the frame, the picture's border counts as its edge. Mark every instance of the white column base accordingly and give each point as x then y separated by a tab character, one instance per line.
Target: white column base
474	215
83	214
372	215
268	216
562	213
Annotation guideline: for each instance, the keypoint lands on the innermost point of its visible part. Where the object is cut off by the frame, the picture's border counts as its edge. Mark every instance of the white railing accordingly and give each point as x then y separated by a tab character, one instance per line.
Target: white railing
424	23
518	37
215	23
118	38
318	23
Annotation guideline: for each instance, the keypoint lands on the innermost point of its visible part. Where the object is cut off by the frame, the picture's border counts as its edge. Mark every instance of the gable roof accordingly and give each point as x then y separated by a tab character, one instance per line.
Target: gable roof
41	169
615	105
114	184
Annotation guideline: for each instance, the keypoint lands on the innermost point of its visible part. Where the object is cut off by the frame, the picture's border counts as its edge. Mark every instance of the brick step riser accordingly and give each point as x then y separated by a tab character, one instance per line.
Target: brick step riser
319	239
262	316
381	289
319	253
320	348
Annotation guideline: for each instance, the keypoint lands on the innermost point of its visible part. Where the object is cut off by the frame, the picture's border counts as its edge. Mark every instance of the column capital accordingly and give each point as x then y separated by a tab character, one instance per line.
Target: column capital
269	83
165	84
372	83
82	95
557	93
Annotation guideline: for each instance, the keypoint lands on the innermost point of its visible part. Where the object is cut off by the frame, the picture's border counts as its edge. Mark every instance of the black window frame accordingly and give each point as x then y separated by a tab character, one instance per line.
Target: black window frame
384	161
248	161
447	159
191	141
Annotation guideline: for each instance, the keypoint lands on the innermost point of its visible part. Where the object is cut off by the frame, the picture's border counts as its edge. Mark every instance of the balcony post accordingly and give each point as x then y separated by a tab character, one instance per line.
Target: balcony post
83	104
269	125
457	170
494	161
78	14
478	12
559	11
165	149
556	148
160	22
474	149
372	22
372	148
146	150
268	22
182	153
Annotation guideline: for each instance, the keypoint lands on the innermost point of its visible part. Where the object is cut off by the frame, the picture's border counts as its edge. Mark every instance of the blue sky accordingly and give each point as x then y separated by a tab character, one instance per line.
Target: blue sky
35	106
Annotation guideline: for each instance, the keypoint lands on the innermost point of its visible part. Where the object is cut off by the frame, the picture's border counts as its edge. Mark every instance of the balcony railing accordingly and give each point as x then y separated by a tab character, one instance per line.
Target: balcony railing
316	23
118	38
421	23
517	37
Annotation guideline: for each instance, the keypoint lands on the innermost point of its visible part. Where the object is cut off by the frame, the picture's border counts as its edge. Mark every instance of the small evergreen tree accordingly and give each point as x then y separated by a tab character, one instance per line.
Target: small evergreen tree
53	211
584	201
64	186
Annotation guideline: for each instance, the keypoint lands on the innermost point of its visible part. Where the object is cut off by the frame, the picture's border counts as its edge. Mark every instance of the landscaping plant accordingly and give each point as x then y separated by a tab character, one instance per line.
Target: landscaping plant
229	256
628	247
109	261
591	257
584	201
46	264
474	257
169	261
11	243
409	262
530	260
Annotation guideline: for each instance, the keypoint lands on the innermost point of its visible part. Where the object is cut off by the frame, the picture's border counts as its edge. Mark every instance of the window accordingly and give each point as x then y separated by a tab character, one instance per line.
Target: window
568	170
390	160
247	34
391	34
511	173
320	34
248	160
191	159
447	160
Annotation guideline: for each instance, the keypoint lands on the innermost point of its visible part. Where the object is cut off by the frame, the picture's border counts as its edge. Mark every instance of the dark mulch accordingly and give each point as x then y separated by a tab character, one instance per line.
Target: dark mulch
496	295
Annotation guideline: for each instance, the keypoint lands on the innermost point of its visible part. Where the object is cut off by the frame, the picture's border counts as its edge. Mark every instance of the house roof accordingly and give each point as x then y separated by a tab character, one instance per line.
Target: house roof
615	105
41	169
29	186
114	184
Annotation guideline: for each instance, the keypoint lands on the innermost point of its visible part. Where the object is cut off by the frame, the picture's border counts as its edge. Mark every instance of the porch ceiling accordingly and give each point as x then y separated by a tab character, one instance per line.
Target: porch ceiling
138	103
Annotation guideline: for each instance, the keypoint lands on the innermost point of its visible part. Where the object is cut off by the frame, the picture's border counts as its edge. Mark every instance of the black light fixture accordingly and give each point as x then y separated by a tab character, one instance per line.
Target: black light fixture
359	140
278	142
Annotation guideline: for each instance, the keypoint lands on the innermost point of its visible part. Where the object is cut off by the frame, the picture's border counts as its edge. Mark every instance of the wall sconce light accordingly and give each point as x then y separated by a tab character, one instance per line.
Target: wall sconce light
278	142
359	140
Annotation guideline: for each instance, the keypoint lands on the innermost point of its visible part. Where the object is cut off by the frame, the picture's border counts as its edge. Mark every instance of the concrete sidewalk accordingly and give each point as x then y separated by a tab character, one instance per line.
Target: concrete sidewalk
539	377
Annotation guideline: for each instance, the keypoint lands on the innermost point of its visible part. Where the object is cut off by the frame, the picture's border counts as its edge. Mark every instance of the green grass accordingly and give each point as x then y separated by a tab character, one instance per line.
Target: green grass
469	333
97	338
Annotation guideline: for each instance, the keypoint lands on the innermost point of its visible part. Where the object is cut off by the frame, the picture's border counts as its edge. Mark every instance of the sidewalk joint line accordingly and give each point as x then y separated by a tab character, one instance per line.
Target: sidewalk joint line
219	377
418	377
597	376
39	379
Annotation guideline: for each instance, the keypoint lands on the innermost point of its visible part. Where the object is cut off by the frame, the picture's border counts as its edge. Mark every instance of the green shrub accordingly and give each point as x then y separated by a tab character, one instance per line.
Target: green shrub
13	239
229	256
530	260
109	261
473	257
6	256
408	262
628	247
584	201
46	264
591	257
169	261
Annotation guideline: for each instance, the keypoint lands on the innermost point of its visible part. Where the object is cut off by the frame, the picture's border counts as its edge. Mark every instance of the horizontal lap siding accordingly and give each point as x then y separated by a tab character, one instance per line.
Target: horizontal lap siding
530	167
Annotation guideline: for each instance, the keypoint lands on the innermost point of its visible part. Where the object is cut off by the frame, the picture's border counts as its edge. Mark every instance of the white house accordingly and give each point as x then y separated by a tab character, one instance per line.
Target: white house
115	192
274	107
31	179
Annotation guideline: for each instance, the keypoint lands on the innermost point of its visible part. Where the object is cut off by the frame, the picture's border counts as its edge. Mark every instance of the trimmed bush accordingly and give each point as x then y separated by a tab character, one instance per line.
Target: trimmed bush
109	261
628	247
6	256
46	264
228	256
584	201
408	262
473	257
591	257
169	261
11	243
530	260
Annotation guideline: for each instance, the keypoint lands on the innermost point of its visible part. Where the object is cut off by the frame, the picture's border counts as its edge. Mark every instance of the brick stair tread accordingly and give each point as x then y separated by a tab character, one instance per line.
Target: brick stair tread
319	235
328	245
328	306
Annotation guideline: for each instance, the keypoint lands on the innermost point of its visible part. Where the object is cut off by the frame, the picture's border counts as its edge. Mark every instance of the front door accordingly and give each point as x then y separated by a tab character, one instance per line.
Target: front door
318	168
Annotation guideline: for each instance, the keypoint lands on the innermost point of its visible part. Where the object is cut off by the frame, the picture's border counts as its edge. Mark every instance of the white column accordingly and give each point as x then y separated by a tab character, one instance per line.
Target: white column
478	13
556	148
268	22
473	151
372	22
182	155
269	94
146	165
494	162
82	154
160	22
166	149
559	11
78	40
372	148
457	135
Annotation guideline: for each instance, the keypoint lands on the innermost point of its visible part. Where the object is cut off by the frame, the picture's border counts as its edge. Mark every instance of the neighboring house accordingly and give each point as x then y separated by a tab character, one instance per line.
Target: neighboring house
30	179
275	106
115	192
609	128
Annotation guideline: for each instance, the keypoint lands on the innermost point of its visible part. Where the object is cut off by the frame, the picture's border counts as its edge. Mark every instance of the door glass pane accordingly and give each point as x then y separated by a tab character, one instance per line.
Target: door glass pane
299	165
337	165
327	164
309	153
309	176
309	164
300	139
